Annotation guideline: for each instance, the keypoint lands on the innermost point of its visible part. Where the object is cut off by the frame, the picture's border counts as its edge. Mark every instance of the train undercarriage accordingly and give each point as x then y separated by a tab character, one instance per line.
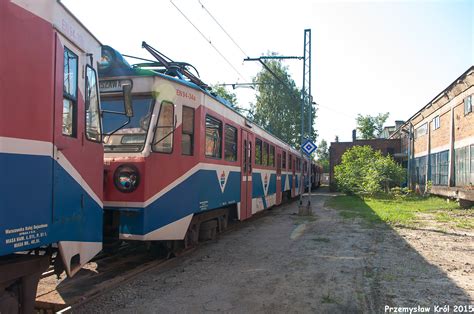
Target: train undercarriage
19	277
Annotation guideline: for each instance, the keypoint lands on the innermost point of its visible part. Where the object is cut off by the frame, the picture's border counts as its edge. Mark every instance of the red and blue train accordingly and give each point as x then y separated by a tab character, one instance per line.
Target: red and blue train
152	155
51	152
186	156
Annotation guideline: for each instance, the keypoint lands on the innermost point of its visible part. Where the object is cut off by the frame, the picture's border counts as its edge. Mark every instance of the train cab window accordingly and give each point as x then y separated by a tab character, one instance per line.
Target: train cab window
305	166
163	141
93	131
69	124
187	136
213	137
290	162
230	148
265	154
271	157
298	161
283	160
258	151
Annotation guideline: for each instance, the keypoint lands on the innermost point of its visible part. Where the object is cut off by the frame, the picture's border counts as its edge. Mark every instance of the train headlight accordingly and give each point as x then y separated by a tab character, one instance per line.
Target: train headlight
126	178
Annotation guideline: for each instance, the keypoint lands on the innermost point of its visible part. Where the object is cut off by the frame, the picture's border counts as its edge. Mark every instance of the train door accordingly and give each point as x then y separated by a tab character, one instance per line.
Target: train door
278	178
246	177
293	186
78	158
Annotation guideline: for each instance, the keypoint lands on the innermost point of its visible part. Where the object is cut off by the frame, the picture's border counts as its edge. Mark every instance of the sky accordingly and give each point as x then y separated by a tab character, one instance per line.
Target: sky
368	57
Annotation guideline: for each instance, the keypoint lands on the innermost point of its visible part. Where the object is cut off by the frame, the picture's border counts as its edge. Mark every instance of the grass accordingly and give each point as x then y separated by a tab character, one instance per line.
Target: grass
461	218
328	299
402	211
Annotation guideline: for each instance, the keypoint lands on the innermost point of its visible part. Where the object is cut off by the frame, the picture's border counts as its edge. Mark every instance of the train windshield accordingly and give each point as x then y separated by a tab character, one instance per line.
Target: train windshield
131	137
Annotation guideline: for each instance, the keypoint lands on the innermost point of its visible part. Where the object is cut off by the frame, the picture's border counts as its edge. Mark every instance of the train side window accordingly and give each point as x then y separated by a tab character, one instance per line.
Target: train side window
93	131
265	154
290	162
69	124
258	151
187	136
230	148
213	137
283	160
163	141
271	157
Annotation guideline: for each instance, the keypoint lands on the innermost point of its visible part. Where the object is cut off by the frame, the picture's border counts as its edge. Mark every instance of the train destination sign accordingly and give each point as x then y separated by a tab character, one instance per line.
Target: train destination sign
110	86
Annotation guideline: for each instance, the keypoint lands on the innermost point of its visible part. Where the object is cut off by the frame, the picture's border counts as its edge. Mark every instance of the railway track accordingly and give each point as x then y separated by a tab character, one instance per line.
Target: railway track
105	272
98	276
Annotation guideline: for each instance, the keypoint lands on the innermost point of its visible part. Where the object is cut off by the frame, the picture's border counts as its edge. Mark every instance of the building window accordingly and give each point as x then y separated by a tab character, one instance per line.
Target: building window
163	142
187	135
213	137
258	151
265	154
468	104
439	166
436	123
92	111
271	157
463	165
69	126
230	149
422	130
283	160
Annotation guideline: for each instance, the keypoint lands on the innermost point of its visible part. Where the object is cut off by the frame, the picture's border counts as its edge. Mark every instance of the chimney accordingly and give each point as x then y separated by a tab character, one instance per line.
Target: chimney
354	135
398	124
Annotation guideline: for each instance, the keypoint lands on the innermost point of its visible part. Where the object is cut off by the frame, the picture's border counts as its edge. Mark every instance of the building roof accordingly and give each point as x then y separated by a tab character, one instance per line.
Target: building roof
469	71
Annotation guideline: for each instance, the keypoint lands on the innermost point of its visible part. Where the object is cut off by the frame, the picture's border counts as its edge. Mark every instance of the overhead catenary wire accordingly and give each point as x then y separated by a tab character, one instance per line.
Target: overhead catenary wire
222	28
351	115
208	40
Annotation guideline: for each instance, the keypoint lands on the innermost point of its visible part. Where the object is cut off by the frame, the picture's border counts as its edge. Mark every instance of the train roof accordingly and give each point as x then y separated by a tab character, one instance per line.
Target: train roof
114	65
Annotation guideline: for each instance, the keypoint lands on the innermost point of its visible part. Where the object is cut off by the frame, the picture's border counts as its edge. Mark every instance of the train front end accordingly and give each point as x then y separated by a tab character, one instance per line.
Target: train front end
141	170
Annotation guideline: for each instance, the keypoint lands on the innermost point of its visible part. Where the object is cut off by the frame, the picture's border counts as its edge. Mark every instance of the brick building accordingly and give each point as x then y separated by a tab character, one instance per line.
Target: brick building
337	149
437	142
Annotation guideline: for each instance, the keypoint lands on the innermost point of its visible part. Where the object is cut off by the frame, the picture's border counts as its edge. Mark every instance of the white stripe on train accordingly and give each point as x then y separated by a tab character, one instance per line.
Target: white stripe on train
10	145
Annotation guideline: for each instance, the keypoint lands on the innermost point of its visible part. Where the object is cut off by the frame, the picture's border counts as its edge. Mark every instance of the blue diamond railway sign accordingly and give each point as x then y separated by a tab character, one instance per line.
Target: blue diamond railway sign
309	147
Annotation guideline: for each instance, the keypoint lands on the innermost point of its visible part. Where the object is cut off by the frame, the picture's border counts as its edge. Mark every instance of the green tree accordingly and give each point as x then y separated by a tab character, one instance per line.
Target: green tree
370	127
222	92
365	171
278	105
323	155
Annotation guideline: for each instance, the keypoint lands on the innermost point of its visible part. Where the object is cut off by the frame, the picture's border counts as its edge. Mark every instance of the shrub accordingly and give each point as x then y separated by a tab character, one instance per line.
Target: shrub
365	171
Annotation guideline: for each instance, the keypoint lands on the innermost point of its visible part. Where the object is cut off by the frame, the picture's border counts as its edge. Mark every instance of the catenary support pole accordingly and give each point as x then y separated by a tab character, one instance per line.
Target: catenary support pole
303	102
310	107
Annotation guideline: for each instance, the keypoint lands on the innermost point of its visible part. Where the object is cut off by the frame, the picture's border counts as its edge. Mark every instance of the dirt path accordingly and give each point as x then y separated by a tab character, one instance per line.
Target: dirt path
283	263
